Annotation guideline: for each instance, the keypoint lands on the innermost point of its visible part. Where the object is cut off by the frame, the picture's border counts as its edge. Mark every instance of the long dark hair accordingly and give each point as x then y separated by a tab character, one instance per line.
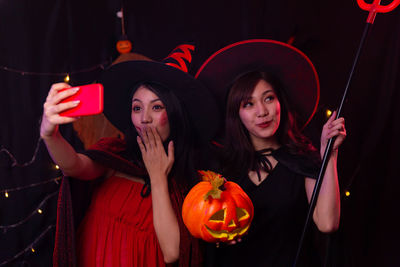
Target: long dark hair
181	132
239	155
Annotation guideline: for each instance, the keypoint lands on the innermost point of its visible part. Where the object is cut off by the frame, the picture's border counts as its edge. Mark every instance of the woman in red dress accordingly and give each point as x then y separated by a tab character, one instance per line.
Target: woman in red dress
133	218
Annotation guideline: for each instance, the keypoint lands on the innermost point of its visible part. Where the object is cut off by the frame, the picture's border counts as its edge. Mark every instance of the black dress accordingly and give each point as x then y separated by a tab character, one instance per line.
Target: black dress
280	209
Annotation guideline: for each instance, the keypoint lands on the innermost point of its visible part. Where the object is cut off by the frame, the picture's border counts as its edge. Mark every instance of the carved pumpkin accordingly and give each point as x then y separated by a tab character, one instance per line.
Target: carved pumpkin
124	46
217	211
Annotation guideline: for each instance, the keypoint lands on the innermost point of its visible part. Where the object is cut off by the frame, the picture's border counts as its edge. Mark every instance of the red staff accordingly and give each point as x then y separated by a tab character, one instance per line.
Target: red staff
373	8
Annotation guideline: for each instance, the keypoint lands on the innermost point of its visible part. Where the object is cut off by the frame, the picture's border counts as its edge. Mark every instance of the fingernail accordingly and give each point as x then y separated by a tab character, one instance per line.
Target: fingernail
76	102
75	89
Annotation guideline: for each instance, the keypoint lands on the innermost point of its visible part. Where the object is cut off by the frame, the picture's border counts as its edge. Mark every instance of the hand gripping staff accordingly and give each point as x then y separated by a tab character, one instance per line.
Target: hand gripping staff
373	8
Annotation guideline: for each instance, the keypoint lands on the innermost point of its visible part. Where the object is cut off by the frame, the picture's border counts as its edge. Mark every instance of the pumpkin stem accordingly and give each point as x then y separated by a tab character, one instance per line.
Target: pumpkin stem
217	183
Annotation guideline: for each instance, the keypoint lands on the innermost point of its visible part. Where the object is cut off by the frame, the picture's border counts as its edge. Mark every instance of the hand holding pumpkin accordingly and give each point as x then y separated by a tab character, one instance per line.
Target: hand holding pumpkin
217	211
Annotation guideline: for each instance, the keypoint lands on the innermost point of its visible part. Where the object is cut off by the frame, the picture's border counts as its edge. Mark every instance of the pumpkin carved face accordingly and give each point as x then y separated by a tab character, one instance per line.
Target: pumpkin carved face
217	211
124	46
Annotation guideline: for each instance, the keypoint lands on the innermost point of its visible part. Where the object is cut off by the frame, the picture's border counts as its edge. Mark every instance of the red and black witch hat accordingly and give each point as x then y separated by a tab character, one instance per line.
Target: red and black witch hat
120	79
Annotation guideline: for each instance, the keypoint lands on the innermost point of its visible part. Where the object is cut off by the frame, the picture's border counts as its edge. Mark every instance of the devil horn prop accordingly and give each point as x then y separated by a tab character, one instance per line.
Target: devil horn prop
373	9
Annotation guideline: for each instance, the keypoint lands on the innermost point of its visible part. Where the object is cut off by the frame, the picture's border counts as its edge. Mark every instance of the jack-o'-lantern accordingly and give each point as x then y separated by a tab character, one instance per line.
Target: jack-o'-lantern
216	210
124	46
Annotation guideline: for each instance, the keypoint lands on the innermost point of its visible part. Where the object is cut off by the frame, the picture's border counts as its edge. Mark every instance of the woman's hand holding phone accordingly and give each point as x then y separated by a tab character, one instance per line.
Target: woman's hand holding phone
90	99
52	107
65	104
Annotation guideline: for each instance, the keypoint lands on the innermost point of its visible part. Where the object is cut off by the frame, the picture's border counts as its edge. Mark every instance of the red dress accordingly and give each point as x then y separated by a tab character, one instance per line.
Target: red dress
118	228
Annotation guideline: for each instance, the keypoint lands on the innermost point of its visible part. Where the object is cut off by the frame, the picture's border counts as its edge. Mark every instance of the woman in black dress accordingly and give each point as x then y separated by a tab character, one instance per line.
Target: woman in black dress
261	81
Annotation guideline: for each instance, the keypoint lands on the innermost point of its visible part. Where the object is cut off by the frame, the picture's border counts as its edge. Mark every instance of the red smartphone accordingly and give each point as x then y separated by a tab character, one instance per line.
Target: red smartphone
91	101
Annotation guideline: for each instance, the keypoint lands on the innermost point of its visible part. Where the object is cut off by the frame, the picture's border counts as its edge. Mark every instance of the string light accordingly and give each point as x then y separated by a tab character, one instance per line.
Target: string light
347	193
56	167
29	247
15	163
35	211
92	68
14	160
6	191
328	113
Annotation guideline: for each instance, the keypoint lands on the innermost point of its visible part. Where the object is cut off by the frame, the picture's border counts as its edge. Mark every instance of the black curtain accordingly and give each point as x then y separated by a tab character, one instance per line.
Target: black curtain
43	41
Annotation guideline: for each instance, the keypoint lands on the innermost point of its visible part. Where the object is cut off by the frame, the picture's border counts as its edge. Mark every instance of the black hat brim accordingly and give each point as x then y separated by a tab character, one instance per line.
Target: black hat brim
291	66
120	79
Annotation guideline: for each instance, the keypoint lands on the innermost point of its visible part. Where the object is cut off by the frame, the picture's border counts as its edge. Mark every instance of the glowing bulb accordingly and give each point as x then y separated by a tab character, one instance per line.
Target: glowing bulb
66	79
33	250
6	194
57	167
347	193
40	211
328	113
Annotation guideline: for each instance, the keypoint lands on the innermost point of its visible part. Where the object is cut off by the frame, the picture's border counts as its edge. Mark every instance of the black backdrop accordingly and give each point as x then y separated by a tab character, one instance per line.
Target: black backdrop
41	41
